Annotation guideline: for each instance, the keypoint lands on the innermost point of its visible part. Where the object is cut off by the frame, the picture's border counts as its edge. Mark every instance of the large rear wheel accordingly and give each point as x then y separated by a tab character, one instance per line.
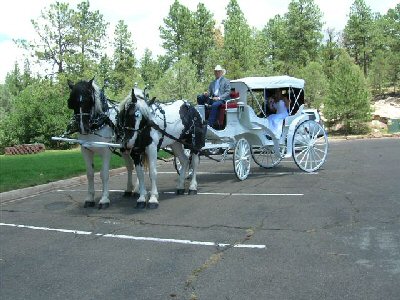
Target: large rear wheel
241	159
310	146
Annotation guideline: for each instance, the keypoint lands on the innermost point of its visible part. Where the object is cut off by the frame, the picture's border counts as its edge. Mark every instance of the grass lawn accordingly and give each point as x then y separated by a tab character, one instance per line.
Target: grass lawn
19	171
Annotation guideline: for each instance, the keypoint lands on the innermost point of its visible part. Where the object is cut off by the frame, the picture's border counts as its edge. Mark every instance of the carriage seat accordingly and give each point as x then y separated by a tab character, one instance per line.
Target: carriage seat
231	103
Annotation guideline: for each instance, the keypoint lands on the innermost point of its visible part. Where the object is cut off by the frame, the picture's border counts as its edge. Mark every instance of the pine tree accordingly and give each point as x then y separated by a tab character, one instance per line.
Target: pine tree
201	39
55	31
237	41
123	58
275	38
176	31
358	34
149	69
348	103
304	36
179	82
89	34
316	85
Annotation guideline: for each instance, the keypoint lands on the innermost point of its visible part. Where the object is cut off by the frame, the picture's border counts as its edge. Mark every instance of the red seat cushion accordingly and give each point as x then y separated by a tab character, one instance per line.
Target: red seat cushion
234	95
221	114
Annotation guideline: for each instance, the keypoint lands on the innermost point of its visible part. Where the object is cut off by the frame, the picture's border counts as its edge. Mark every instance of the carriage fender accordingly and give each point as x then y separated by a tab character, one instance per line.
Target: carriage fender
292	127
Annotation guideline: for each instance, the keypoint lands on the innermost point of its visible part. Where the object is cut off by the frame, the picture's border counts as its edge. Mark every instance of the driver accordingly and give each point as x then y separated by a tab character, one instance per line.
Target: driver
218	92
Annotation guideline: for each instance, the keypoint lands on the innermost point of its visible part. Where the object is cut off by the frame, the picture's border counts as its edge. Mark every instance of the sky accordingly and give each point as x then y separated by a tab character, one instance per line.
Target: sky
144	17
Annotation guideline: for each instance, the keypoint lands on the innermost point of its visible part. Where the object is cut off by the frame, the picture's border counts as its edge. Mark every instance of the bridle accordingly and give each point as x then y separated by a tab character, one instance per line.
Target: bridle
96	120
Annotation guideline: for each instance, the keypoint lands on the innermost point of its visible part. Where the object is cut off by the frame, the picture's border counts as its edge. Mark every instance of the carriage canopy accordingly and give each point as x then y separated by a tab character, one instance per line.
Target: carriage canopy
254	91
272	82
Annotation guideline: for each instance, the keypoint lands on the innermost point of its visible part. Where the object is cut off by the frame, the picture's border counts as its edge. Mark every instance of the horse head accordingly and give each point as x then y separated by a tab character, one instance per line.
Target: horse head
131	120
82	100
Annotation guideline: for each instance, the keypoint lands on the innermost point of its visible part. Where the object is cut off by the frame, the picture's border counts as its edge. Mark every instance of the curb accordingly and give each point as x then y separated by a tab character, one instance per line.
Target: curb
363	137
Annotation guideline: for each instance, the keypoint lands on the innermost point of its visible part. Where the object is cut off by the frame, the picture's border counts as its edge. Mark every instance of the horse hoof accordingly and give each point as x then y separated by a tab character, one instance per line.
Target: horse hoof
180	191
104	205
192	192
152	205
89	204
128	194
140	205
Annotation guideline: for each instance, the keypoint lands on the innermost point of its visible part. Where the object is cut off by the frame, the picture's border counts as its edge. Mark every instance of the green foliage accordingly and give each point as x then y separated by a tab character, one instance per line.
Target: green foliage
39	112
274	34
358	34
378	74
237	41
330	51
176	31
56	36
179	82
348	103
71	42
389	33
201	39
124	59
304	36
317	84
149	69
89	31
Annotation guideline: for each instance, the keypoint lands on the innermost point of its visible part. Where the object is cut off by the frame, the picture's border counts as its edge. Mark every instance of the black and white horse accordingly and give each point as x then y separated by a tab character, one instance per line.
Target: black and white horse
95	120
150	126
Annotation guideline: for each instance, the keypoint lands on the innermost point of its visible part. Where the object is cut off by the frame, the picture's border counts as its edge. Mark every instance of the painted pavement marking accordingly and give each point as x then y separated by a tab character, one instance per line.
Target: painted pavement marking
199	193
136	238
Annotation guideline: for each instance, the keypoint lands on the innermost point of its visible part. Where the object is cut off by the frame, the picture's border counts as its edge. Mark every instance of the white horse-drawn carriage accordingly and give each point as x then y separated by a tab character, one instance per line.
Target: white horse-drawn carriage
142	127
249	134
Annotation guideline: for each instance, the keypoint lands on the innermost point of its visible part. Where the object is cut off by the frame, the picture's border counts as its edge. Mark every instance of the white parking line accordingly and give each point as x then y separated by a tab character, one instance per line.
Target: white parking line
204	193
240	194
232	173
136	238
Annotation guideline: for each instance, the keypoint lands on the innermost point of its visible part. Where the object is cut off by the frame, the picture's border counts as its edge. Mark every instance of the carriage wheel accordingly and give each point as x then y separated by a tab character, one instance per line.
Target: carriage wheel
265	157
241	159
178	166
310	146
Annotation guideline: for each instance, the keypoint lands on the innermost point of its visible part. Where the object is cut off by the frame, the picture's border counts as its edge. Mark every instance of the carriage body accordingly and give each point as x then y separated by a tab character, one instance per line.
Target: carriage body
303	135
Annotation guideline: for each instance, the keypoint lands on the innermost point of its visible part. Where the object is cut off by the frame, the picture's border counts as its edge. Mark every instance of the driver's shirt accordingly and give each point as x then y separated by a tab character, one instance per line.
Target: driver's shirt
216	88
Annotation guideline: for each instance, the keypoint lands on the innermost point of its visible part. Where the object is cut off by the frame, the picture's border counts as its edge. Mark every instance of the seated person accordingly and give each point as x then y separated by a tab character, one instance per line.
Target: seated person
218	92
280	108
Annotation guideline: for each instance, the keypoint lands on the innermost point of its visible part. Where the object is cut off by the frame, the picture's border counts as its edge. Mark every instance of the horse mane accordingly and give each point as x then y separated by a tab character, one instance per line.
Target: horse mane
97	100
141	104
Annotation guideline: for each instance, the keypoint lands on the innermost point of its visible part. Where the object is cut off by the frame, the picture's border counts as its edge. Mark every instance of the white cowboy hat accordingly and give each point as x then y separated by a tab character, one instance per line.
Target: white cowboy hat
219	68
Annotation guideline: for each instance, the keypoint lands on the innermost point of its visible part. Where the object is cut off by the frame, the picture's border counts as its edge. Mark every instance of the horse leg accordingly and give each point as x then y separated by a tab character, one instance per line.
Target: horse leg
177	148
141	202
151	151
137	187
129	169
88	157
105	175
193	182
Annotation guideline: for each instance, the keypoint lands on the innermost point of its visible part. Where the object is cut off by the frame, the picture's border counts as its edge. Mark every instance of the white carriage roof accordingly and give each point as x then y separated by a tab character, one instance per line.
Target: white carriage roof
271	82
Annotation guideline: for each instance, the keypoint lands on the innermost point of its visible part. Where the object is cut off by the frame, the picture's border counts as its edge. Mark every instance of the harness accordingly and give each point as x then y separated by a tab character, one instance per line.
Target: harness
150	123
97	121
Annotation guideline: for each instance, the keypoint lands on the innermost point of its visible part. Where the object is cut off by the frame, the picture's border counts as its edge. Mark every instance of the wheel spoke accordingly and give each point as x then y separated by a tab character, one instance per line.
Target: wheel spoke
310	146
242	159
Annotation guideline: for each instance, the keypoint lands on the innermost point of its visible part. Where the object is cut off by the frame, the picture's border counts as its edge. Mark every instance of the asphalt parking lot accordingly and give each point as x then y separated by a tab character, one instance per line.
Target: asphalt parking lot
280	234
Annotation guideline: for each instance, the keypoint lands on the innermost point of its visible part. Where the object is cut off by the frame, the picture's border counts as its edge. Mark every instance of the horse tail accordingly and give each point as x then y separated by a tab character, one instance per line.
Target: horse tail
145	161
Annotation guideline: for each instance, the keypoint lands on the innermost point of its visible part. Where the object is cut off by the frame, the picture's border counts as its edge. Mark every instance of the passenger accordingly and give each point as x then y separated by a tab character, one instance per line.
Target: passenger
280	108
218	92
